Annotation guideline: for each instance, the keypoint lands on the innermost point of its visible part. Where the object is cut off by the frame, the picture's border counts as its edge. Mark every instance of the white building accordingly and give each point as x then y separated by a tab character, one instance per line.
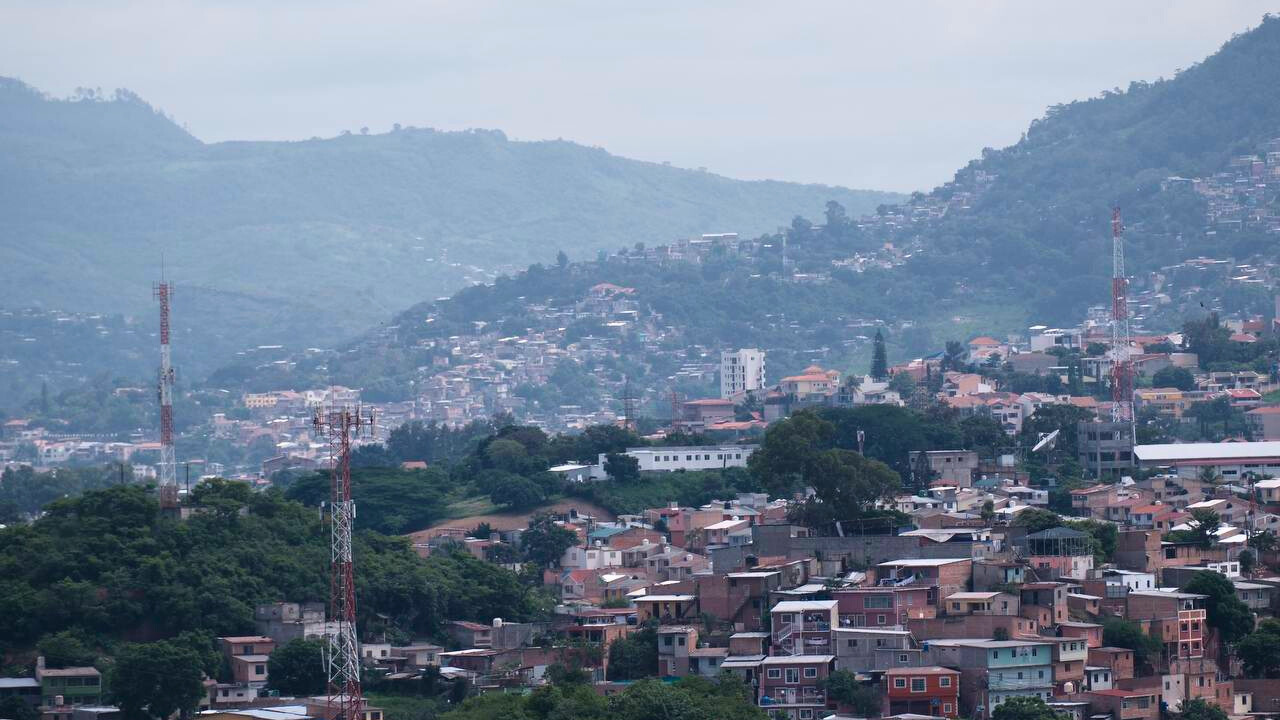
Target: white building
1229	460
701	457
741	371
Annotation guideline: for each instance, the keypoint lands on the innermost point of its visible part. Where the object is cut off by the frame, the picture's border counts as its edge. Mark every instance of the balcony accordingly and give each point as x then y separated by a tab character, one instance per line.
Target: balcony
773	696
1010	682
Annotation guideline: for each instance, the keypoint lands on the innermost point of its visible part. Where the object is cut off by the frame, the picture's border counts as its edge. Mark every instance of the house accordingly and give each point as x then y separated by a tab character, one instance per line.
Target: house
1091	633
862	650
666	609
471	634
885	606
1119	661
981	603
701	413
1177	618
247	656
674	644
1044	602
1061	551
1070	654
1125	704
949	575
953	467
419	655
75	685
992	671
803	626
932	691
794	686
987	574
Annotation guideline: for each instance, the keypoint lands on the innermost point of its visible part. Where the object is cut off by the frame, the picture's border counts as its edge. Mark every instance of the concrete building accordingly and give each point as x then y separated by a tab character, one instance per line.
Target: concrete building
700	457
1105	446
1230	460
741	371
953	467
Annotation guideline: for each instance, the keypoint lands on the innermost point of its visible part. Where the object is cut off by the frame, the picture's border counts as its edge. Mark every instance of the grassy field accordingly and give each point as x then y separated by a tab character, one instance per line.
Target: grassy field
483	511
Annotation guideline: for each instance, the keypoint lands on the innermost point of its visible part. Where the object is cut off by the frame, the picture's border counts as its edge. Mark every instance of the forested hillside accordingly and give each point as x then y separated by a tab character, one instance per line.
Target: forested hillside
324	236
1021	235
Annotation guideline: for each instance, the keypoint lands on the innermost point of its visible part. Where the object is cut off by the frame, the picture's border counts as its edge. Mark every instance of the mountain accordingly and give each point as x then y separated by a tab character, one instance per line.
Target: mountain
1021	235
324	236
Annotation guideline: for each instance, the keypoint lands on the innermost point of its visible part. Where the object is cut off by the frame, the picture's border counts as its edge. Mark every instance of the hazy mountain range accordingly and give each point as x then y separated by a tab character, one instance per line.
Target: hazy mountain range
309	241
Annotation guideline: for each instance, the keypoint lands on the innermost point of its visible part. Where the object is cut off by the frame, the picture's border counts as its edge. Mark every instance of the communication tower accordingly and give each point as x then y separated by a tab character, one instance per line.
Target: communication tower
342	658
168	470
1121	341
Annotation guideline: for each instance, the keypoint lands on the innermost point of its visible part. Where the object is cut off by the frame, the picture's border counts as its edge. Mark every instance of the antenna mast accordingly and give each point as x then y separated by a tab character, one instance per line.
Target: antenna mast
342	659
168	470
1121	341
628	406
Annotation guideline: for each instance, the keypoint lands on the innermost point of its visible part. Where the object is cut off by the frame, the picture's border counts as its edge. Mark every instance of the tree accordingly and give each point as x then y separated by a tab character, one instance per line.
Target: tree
562	260
879	359
1037	520
634	656
1118	632
846	485
1223	610
1025	707
516	493
903	384
1204	527
953	355
1248	560
622	467
788	448
13	707
1201	709
297	668
156	680
988	512
1174	377
69	648
864	699
545	541
1260	650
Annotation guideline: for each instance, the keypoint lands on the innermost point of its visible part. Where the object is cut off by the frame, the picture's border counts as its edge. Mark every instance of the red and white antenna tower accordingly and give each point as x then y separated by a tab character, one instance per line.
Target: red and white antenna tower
168	471
342	659
1121	342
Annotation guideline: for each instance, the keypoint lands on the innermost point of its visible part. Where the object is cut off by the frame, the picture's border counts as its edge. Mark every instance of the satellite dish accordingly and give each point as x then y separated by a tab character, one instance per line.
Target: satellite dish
1047	442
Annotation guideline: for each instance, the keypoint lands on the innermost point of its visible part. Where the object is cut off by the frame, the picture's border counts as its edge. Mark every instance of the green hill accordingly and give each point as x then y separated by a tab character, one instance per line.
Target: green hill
322	237
1020	235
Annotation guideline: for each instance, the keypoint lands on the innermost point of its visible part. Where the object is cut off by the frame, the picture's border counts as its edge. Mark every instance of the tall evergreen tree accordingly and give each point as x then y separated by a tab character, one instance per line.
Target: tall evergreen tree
879	361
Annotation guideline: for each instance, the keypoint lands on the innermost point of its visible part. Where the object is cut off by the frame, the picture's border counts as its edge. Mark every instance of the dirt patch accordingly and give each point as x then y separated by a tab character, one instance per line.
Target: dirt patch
516	520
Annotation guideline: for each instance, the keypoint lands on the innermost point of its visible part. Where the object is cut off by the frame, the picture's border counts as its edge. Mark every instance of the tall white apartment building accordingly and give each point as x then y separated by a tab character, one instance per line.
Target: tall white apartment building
741	370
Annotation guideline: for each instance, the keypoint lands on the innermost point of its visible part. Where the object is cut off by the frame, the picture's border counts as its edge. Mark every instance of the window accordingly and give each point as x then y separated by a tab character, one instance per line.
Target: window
775	673
811	672
793	675
680	641
806	713
880	620
899	683
995	654
944	681
878	602
853	643
902	658
917	684
666	640
946	708
259	669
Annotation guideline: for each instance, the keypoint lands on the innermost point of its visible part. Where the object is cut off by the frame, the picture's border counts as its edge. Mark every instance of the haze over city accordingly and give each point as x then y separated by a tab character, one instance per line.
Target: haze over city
879	95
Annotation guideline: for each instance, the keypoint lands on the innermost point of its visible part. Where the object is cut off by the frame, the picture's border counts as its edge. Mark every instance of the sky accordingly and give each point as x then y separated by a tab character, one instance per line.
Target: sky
881	95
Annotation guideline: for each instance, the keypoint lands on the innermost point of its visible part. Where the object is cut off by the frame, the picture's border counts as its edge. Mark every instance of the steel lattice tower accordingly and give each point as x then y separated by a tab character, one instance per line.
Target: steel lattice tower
168	471
342	659
1121	341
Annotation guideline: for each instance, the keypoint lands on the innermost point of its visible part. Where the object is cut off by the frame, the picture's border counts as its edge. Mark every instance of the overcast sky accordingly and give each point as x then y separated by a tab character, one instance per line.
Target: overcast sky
888	95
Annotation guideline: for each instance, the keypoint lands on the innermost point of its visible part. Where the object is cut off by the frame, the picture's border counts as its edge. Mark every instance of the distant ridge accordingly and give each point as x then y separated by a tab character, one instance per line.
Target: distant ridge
358	225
